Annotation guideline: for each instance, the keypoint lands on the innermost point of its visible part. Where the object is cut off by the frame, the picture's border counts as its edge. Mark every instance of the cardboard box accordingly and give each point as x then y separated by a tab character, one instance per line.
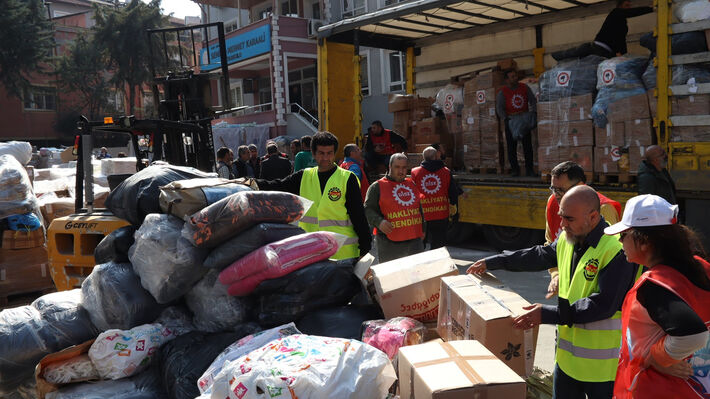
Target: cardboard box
43	386
629	108
583	156
454	123
652	103
455	370
67	155
56	208
507	64
611	135
547	157
692	134
636	154
24	270
398	102
638	132
487	80
690	105
409	286
483	309
22	239
401	123
470	119
575	133
605	159
575	108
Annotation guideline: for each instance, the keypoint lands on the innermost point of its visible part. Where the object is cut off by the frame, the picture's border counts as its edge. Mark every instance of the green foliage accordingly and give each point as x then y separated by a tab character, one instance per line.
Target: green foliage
27	39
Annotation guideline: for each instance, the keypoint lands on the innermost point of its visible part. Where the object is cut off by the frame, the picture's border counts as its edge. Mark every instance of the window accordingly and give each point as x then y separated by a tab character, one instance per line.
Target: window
235	92
395	63
390	2
365	74
116	102
265	13
316	9
289	7
353	8
40	98
265	93
57	13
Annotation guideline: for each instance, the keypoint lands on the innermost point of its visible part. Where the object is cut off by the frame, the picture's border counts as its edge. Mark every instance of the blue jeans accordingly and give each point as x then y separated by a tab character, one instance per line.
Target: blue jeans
566	387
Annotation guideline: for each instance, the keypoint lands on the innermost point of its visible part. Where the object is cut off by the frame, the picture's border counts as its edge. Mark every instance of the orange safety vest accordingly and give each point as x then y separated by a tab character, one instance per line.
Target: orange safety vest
434	191
640	333
554	220
516	100
364	183
399	204
383	141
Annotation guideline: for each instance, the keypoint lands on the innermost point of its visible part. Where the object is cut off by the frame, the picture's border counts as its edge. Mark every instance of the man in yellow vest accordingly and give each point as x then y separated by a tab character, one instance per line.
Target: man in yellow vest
335	192
393	208
594	278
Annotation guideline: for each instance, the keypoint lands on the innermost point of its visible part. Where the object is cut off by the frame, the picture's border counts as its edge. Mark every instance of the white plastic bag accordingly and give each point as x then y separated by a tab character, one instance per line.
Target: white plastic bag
692	10
21	150
16	195
313	367
78	368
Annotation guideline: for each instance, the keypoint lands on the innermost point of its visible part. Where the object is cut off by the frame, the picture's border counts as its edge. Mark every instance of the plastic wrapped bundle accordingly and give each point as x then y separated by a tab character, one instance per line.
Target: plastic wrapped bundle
184	197
16	195
618	78
682	43
21	150
177	320
183	360
390	335
681	74
114	247
28	333
142	386
249	241
570	78
137	196
115	299
328	368
450	99
235	351
167	264
213	308
692	10
279	259
231	216
320	285
339	322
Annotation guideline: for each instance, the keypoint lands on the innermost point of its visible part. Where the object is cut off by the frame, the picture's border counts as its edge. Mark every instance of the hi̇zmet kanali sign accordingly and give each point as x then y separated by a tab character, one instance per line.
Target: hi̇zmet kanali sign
240	47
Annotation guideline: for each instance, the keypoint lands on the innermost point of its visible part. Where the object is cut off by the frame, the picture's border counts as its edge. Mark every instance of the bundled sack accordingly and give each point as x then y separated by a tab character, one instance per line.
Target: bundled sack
249	241
390	335
28	333
691	10
16	195
681	43
231	216
114	247
185	197
115	299
279	259
21	150
570	78
325	368
167	264
119	354
339	322
316	286
213	308
680	75
138	195
206	382
183	360
618	78
142	386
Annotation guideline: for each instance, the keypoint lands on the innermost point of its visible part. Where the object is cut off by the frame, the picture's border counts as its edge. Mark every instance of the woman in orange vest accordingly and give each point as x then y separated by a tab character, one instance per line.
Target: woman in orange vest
665	316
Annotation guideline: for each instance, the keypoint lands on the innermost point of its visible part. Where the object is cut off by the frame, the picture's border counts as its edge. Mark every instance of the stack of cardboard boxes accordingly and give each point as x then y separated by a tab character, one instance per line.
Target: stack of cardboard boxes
565	132
407	110
481	135
23	264
686	106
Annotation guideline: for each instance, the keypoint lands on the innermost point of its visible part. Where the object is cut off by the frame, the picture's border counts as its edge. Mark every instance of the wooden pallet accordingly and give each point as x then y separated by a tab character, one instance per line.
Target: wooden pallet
25	298
615	178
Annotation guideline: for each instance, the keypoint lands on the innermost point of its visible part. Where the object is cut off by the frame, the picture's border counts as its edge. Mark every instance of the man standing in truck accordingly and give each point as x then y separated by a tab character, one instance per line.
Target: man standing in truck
380	144
514	102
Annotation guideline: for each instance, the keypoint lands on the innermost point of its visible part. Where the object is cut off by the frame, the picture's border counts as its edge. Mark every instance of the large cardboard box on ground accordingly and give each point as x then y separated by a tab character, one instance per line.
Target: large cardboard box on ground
409	286
12	239
23	271
638	132
575	108
483	309
629	108
605	159
455	370
583	156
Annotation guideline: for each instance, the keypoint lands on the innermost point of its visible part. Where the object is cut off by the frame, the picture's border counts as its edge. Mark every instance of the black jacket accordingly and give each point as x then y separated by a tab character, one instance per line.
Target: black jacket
614	29
275	167
653	181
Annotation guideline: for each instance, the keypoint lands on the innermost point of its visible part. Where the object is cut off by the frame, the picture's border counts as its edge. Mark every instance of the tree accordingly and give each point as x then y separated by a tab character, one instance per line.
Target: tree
83	70
122	32
27	39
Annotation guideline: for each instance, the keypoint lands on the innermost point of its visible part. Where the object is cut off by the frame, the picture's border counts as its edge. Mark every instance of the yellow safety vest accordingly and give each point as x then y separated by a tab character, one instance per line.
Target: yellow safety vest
328	212
587	352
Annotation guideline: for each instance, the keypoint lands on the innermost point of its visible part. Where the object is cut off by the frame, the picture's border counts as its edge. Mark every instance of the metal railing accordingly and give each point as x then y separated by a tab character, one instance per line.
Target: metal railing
246	110
296	108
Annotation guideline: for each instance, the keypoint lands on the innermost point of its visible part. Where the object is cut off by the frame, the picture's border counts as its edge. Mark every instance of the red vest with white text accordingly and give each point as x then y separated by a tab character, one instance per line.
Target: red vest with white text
516	100
383	141
554	220
399	204
434	191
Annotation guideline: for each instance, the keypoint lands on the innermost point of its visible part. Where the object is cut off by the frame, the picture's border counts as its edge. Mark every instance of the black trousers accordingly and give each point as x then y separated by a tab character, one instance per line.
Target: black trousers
566	387
436	232
582	51
512	148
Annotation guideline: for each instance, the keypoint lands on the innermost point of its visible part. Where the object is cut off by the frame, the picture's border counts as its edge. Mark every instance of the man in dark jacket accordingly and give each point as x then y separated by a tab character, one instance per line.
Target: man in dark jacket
380	143
241	167
274	166
654	177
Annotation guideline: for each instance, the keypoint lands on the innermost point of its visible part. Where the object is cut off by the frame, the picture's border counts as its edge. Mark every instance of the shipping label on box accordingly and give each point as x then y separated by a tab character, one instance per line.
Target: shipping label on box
605	159
483	309
455	370
638	132
470	119
409	286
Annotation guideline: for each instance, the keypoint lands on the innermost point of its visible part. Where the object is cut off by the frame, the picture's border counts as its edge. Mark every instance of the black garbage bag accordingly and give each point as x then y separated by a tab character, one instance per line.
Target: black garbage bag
145	385
183	360
114	247
682	43
114	298
28	333
249	241
339	322
138	195
214	310
320	285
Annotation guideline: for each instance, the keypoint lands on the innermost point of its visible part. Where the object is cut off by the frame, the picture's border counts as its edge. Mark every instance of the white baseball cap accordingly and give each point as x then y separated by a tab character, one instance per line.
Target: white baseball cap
643	211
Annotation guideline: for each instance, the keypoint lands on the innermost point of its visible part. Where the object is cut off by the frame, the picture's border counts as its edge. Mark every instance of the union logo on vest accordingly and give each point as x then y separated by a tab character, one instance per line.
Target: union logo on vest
334	194
518	101
431	184
591	269
403	195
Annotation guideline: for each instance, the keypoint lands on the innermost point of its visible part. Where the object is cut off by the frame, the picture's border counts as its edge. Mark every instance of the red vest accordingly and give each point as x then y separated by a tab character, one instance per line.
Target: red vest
382	142
639	332
554	220
399	203
364	184
516	101
434	191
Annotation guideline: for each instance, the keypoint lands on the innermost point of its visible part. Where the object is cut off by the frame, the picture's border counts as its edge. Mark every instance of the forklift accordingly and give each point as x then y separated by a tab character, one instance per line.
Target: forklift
182	136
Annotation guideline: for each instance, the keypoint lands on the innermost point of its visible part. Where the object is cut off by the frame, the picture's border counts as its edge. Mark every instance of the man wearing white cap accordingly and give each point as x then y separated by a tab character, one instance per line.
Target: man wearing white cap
594	278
